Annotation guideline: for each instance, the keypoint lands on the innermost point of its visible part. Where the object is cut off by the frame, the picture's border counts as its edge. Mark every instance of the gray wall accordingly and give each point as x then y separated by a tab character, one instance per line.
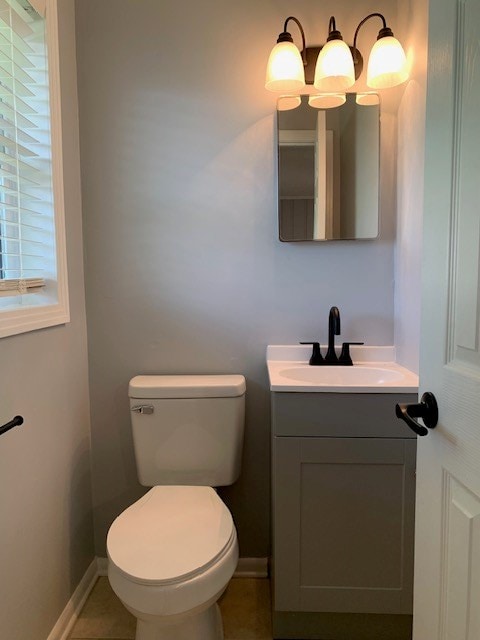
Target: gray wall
184	271
46	529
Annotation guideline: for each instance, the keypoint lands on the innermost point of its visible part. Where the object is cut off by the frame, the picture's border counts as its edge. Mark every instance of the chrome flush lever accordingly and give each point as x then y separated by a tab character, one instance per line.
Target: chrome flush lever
147	409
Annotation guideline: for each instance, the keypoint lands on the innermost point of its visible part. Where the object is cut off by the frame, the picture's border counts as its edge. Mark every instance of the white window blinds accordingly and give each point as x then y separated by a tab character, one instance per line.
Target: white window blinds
27	233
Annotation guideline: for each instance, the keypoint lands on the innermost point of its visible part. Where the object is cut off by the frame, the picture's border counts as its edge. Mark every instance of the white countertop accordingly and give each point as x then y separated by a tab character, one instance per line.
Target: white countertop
374	371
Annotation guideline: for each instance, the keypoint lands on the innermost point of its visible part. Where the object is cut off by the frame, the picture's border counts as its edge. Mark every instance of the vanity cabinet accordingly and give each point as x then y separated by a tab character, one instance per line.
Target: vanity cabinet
343	516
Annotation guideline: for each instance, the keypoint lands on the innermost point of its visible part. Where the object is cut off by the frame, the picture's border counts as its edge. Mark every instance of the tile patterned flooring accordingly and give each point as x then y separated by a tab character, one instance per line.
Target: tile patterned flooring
245	609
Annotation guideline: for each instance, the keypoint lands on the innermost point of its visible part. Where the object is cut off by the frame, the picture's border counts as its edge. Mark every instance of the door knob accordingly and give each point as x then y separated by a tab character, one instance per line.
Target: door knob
426	409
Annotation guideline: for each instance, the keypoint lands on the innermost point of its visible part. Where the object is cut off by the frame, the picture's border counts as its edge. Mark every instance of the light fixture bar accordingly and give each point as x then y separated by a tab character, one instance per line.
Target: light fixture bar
337	65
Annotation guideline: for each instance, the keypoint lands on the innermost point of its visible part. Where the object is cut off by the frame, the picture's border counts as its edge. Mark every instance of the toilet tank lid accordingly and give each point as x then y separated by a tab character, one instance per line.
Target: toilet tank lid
187	386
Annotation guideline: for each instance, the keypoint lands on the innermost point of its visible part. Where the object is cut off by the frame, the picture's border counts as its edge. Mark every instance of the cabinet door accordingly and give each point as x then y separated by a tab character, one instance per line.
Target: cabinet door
343	511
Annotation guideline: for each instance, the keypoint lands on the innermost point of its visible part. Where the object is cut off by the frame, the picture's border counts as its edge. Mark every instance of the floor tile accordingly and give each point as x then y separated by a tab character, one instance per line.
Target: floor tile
245	610
104	616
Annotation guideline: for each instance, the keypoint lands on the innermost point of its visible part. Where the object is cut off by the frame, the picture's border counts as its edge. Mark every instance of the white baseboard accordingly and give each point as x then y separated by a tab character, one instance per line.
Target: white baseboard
69	615
246	567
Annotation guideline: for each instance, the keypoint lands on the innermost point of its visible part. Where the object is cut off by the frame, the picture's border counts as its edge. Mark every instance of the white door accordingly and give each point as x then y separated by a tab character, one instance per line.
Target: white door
447	551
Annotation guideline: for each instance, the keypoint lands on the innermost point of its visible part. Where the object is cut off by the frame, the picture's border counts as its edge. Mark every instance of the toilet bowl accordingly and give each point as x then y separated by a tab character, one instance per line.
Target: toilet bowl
172	553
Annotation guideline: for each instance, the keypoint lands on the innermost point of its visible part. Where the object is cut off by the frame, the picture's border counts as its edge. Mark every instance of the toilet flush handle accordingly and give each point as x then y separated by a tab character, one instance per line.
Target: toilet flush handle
147	409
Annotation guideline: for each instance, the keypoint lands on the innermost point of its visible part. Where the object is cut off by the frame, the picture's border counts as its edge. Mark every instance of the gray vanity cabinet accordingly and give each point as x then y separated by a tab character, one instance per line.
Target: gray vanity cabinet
343	516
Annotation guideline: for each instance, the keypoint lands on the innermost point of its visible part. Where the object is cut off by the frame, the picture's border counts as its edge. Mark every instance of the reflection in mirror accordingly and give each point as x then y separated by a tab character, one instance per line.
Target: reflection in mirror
328	171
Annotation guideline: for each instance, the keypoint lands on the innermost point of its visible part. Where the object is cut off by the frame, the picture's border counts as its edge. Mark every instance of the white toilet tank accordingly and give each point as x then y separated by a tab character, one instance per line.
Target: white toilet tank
188	430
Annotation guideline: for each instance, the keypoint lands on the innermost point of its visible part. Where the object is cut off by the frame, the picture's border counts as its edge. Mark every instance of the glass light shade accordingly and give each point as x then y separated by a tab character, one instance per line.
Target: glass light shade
367	99
285	70
387	65
327	100
334	70
285	103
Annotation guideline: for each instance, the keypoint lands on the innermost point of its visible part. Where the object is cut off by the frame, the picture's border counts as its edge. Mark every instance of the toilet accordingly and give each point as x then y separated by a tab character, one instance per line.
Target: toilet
172	553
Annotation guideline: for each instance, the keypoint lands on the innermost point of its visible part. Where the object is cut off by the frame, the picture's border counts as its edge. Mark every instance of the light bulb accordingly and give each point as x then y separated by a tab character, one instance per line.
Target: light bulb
334	70
387	65
285	70
285	103
327	100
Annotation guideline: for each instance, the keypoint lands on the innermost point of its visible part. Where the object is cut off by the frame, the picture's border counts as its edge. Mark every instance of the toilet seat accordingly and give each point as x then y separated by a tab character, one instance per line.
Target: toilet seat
170	535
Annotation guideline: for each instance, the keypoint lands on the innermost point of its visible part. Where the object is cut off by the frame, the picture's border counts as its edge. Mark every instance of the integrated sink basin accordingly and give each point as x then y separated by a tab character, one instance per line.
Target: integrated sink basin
359	375
374	371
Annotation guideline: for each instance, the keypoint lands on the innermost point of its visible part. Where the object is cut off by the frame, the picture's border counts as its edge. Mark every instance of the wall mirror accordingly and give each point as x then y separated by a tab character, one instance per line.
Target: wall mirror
328	171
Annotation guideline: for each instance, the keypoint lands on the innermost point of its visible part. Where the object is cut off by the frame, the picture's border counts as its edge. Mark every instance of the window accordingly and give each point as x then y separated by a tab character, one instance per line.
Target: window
33	291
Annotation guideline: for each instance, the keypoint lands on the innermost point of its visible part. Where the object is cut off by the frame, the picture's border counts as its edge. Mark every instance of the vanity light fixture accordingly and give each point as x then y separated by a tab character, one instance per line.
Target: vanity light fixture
334	67
286	66
387	64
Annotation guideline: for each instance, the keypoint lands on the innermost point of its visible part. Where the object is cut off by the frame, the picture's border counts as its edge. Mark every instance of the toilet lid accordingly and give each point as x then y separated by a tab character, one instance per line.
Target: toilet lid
170	534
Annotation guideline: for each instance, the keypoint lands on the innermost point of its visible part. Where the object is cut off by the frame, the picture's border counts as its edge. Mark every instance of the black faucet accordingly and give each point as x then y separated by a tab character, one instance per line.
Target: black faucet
316	357
331	356
333	330
345	358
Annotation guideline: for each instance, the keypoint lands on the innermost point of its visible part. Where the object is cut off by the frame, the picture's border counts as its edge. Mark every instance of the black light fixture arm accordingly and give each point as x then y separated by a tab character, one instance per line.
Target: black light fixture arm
333	33
384	31
285	36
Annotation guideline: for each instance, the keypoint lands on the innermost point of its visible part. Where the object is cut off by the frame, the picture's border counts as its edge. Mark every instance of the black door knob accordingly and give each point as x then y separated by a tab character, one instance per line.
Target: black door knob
426	409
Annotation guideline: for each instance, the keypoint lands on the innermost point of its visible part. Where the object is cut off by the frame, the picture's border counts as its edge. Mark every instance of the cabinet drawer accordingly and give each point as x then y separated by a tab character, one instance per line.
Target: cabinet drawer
344	415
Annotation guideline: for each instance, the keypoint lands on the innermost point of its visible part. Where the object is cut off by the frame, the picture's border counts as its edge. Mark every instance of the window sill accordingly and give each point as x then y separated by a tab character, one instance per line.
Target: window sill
22	320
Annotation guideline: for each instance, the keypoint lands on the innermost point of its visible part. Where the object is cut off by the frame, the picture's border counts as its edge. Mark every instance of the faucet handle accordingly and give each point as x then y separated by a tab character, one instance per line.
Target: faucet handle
316	357
345	358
